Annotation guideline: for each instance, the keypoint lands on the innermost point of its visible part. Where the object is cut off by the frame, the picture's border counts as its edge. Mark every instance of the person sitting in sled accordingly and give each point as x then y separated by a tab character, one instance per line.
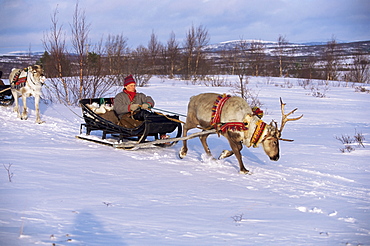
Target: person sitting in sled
130	105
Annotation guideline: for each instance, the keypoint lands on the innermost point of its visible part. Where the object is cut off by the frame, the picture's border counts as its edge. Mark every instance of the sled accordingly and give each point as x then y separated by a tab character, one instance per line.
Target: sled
154	125
6	96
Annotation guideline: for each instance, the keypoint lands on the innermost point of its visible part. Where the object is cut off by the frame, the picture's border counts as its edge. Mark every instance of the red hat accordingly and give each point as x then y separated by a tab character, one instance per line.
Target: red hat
129	80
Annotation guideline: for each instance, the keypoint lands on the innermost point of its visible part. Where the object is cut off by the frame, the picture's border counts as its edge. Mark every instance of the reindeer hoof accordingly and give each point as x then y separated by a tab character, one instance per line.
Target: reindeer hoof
244	171
182	153
225	153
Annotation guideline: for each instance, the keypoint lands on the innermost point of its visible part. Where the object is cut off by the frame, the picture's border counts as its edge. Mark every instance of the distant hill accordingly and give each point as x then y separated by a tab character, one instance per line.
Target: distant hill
20	59
303	49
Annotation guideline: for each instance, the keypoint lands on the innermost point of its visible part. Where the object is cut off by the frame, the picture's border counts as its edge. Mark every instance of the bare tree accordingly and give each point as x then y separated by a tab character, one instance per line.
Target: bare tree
196	39
237	58
331	61
202	39
257	57
80	31
155	49
281	45
172	54
79	75
56	62
117	52
360	69
139	65
189	49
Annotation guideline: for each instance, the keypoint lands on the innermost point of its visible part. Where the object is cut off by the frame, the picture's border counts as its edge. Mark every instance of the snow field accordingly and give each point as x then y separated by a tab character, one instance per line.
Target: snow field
69	191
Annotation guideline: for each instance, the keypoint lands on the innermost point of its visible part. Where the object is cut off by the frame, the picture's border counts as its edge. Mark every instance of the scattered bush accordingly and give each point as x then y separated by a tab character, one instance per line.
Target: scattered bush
215	81
361	89
237	218
10	174
348	141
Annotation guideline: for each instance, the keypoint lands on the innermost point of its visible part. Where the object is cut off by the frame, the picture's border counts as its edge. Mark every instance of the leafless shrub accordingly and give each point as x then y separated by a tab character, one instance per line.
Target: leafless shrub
287	84
268	80
347	148
107	204
317	92
10	174
348	141
247	94
215	81
361	89
359	138
304	83
237	218
345	139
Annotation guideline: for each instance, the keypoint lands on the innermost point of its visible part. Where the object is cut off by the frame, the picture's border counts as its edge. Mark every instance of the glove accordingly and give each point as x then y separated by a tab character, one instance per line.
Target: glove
146	106
134	107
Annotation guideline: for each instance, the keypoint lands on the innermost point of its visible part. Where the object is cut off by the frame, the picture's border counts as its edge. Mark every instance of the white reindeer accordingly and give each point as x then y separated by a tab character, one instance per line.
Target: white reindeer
27	82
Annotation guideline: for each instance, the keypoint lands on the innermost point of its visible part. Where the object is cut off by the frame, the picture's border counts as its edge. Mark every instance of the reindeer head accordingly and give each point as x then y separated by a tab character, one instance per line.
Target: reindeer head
37	74
270	142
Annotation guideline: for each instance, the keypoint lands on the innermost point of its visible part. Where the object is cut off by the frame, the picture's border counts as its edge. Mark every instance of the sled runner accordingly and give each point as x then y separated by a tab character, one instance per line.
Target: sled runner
6	96
99	116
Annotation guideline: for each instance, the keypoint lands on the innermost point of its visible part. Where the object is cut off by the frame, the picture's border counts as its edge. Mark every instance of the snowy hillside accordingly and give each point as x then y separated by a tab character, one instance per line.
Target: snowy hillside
66	191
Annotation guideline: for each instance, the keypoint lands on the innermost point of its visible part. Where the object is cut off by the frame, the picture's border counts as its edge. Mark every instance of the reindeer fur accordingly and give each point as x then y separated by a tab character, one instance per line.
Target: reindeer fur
235	109
32	87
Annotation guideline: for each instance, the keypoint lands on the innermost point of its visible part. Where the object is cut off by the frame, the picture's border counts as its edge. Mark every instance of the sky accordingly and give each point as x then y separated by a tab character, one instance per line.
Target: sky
24	23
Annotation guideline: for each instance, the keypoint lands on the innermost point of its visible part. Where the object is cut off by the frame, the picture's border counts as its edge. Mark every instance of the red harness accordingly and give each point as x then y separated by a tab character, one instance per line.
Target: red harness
19	82
217	108
216	117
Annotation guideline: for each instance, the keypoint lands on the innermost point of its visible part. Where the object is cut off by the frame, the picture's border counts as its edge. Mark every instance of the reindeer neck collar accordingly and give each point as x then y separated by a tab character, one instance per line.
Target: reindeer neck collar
258	132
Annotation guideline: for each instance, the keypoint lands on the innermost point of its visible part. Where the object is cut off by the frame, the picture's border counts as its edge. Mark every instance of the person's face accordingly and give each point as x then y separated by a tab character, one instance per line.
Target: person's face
131	87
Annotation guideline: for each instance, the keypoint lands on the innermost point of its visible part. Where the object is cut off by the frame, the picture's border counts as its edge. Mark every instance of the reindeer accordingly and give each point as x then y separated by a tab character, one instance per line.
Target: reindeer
27	82
236	122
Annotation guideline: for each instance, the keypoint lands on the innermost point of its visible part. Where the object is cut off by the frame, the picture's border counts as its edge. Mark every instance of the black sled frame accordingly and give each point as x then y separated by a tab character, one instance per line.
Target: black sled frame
6	96
153	125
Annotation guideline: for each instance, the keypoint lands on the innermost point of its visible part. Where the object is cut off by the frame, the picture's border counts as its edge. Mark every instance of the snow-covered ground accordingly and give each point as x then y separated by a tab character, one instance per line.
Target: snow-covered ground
67	191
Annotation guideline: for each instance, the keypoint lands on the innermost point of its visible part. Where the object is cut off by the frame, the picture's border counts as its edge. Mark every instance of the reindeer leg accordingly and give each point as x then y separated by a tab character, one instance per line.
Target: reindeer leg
37	107
16	100
236	147
226	153
203	140
24	112
184	149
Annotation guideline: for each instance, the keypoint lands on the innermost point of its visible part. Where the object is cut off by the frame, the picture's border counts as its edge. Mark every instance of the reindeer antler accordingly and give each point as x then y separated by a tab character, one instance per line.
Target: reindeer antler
285	119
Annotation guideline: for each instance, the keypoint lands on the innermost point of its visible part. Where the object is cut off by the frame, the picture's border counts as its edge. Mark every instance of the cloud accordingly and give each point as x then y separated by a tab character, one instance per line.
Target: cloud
24	22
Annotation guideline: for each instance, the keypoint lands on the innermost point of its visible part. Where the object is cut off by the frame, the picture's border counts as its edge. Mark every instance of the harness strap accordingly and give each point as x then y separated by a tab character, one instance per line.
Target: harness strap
260	127
233	126
19	82
217	109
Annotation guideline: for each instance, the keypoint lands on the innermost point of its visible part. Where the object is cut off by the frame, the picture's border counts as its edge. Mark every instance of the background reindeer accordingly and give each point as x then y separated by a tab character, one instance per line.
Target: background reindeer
236	122
27	82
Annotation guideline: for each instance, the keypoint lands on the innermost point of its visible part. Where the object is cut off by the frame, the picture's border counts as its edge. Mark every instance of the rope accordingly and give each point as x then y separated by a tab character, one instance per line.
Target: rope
169	112
176	120
5	90
64	103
